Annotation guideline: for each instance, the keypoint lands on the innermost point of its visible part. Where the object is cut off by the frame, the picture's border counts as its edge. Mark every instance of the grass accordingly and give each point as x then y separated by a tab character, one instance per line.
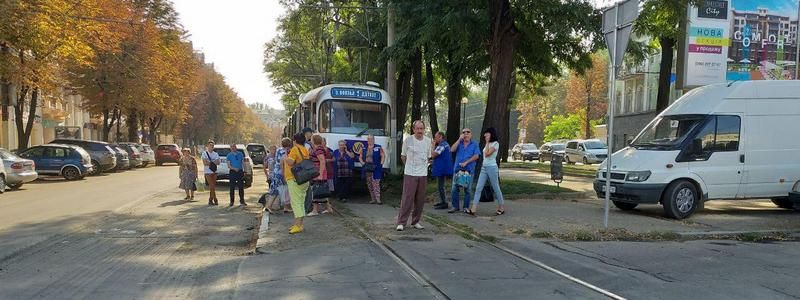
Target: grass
393	189
464	231
616	234
569	170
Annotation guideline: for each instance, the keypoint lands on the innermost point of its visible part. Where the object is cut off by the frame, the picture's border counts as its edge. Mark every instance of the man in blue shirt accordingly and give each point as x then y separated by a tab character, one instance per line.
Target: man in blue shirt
236	173
442	166
467	153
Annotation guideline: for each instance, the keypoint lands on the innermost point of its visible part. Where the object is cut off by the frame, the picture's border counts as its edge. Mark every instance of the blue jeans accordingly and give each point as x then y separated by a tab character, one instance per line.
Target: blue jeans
455	199
492	174
441	180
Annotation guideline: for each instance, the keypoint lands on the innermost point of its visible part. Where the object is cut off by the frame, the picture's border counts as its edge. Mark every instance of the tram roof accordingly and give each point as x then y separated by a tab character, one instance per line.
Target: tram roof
347	91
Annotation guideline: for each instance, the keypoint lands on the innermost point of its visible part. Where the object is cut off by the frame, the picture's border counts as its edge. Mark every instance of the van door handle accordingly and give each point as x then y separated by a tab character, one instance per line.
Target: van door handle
741	158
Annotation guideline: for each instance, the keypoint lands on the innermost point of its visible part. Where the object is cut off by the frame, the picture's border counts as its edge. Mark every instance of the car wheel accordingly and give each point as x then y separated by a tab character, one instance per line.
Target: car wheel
783	203
625	205
2	184
680	200
15	186
586	161
95	168
71	173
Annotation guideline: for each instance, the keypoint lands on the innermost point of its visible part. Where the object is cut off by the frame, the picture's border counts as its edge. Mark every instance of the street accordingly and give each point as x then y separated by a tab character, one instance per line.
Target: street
130	236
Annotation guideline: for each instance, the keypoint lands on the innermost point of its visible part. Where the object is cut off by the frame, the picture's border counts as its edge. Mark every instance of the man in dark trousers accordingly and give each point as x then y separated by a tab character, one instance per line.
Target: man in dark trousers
236	174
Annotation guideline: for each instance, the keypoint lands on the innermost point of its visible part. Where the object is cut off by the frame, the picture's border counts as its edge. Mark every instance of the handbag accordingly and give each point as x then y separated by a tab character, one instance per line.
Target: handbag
211	165
463	179
320	190
304	171
200	185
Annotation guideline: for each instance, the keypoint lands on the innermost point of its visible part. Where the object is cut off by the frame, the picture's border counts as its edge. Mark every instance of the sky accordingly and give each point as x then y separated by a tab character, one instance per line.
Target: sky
232	34
780	7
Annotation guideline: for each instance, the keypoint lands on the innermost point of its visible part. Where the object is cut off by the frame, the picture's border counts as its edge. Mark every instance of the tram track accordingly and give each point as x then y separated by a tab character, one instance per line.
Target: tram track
437	292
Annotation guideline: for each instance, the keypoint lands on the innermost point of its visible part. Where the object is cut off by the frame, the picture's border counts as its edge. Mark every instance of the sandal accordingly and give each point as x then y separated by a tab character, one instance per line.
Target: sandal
500	212
469	212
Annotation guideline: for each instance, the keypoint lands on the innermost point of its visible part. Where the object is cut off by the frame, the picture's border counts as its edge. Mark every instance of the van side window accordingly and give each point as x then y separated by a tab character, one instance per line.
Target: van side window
728	128
706	136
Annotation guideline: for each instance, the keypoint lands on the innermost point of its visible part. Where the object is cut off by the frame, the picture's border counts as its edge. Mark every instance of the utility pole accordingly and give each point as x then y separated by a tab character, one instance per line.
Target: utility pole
391	88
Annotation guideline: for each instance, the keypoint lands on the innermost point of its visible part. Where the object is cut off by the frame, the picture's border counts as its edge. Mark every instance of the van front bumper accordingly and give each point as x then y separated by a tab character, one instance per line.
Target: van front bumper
648	193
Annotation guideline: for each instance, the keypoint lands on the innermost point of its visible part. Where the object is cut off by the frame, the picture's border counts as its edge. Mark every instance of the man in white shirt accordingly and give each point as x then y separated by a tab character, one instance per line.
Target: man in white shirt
415	154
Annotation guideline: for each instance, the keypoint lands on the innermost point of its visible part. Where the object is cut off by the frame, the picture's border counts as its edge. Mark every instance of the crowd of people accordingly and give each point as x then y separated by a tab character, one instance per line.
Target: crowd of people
334	173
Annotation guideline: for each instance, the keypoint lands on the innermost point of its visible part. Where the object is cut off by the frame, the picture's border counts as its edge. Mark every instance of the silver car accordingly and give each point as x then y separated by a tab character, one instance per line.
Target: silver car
135	157
223	170
586	151
18	171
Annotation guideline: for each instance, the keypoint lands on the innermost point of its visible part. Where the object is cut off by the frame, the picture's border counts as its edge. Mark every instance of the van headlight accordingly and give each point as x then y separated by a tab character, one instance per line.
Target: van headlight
638	176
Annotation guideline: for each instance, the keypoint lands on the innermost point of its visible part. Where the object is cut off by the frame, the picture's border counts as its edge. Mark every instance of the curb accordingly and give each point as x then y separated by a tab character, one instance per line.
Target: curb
262	232
551	196
705	234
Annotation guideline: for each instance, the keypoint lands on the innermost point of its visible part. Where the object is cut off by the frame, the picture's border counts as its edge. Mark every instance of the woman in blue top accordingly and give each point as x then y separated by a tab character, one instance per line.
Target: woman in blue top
442	166
489	171
372	158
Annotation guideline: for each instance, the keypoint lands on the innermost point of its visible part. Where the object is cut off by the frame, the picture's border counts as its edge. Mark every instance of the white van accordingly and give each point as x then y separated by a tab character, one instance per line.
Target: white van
725	141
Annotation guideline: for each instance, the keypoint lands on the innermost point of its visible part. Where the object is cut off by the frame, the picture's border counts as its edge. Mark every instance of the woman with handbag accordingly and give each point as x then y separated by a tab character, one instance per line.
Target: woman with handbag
319	186
188	173
372	160
277	184
211	160
297	191
489	171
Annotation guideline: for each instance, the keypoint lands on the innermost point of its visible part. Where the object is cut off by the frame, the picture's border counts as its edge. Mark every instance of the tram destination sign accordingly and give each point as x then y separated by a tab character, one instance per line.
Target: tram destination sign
354	93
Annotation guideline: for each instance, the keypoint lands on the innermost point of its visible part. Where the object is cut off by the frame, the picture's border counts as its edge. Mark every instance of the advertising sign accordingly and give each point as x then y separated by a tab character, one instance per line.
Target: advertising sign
730	40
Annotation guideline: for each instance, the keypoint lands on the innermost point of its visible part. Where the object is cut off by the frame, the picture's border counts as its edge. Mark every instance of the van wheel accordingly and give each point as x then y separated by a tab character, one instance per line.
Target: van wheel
783	203
625	205
71	173
680	200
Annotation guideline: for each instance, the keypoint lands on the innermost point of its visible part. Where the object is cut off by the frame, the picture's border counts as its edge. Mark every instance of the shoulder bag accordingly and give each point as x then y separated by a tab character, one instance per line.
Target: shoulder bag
304	170
211	165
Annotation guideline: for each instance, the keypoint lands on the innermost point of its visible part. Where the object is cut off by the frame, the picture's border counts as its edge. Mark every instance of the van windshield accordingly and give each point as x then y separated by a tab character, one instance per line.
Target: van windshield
667	132
594	145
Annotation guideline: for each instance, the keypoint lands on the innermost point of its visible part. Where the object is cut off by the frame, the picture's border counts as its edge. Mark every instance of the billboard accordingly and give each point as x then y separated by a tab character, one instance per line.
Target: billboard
730	40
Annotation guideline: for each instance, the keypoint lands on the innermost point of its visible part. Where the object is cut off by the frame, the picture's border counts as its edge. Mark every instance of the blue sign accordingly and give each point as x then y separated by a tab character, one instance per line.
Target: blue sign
354	93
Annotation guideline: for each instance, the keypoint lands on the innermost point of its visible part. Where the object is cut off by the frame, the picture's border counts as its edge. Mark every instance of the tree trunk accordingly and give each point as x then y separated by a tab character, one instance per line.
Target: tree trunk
587	125
108	121
118	118
502	46
433	118
23	130
154	124
403	93
453	91
664	73
133	126
416	73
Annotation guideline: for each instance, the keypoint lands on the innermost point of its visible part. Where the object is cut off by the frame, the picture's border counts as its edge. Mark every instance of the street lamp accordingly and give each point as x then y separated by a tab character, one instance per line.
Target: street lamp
464	102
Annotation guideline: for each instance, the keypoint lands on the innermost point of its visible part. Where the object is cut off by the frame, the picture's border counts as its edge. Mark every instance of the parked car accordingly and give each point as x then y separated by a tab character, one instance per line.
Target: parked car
257	153
586	151
167	153
123	160
2	178
720	141
18	171
223	169
103	157
550	150
525	152
148	155
134	156
71	162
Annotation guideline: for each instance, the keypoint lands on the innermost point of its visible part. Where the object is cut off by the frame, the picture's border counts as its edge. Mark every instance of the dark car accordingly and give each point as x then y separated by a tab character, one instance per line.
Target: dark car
71	162
123	160
525	152
257	153
103	157
167	153
550	150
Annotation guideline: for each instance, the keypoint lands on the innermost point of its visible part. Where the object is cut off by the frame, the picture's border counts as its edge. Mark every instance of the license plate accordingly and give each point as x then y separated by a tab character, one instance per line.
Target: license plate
613	189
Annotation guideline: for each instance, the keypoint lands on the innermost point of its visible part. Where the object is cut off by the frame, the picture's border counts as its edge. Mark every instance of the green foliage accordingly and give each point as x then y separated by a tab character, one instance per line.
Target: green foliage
563	127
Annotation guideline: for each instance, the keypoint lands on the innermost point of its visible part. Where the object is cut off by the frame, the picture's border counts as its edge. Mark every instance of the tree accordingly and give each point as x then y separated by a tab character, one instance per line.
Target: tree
587	91
563	127
534	38
43	37
661	20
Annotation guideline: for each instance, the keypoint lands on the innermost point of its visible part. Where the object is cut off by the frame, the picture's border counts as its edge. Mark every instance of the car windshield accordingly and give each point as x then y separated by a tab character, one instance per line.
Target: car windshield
354	117
595	145
667	132
528	147
5	154
256	148
167	147
224	151
558	147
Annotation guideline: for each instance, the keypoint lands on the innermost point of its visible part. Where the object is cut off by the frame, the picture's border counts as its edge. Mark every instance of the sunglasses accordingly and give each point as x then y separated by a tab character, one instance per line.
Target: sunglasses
465	132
